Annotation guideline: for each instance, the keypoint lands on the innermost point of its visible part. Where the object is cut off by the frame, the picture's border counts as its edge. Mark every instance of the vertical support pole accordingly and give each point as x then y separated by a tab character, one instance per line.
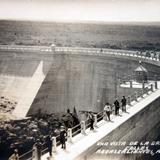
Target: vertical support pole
53	48
95	120
156	86
70	135
143	85
129	100
34	153
83	127
136	96
137	54
54	144
130	84
152	87
142	92
147	90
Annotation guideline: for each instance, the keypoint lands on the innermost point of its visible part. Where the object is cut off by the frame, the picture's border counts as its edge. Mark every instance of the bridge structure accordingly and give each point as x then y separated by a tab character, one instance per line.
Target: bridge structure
80	138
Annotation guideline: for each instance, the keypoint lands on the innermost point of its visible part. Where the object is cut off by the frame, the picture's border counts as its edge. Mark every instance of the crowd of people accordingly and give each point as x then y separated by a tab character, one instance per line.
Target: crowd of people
108	110
23	134
44	131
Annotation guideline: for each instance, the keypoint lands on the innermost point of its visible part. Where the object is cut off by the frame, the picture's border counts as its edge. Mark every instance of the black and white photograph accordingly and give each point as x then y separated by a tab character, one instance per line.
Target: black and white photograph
79	79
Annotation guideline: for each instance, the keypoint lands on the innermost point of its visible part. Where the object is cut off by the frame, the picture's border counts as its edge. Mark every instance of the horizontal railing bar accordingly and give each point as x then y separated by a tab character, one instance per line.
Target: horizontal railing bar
25	153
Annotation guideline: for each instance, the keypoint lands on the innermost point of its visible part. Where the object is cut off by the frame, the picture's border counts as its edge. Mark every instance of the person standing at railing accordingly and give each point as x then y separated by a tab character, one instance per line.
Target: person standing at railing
91	120
14	156
49	145
117	106
63	137
123	102
107	110
38	146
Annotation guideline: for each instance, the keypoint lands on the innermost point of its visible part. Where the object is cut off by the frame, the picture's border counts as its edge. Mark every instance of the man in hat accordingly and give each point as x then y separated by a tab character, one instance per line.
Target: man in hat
123	102
117	106
91	119
49	144
107	110
63	135
38	146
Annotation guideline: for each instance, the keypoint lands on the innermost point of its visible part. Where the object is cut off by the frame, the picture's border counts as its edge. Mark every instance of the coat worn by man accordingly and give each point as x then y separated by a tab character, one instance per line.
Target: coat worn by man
123	102
108	110
63	135
117	106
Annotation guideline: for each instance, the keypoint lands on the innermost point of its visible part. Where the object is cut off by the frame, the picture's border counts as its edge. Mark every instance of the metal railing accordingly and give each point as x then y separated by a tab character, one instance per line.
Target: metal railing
81	128
102	51
28	155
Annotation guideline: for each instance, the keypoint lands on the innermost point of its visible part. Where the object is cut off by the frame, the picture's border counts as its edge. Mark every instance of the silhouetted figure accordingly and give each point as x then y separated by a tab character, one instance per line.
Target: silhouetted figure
123	102
63	135
14	156
38	146
91	120
49	145
107	109
68	111
117	106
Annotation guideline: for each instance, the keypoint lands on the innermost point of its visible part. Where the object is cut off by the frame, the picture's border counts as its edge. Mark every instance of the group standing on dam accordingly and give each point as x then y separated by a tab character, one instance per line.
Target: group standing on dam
41	141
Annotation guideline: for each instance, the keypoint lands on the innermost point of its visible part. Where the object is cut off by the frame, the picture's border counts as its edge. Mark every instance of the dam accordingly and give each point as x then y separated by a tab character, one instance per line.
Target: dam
53	79
63	77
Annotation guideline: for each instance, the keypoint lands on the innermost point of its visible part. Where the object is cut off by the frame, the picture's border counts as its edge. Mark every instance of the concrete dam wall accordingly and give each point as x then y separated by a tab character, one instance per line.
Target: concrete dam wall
86	82
49	81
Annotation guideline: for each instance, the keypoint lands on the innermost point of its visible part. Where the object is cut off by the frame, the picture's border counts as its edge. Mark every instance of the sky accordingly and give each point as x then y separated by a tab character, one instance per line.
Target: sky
81	10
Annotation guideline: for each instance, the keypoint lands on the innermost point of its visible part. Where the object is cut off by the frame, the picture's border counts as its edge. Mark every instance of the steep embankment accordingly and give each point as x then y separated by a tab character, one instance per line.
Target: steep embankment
21	75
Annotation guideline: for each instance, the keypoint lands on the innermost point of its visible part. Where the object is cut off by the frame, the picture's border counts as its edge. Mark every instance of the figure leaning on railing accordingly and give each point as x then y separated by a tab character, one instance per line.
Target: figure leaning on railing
38	149
63	137
91	120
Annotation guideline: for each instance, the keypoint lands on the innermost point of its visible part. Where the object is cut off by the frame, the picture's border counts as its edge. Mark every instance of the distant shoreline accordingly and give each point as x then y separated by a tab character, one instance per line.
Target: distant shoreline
147	23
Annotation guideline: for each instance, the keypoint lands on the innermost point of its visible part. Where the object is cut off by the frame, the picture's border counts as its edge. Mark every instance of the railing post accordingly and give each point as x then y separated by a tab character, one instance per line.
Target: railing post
137	54
54	144
129	100
53	47
143	85
156	86
136	96
95	120
142	92
83	127
70	134
147	90
34	153
130	84
152	87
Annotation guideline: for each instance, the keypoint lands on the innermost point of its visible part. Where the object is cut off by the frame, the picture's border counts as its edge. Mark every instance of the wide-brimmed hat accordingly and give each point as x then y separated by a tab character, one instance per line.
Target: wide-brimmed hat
62	128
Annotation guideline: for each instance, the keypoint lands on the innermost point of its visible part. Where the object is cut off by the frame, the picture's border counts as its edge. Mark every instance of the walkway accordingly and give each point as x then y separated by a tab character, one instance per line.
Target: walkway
83	142
83	51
